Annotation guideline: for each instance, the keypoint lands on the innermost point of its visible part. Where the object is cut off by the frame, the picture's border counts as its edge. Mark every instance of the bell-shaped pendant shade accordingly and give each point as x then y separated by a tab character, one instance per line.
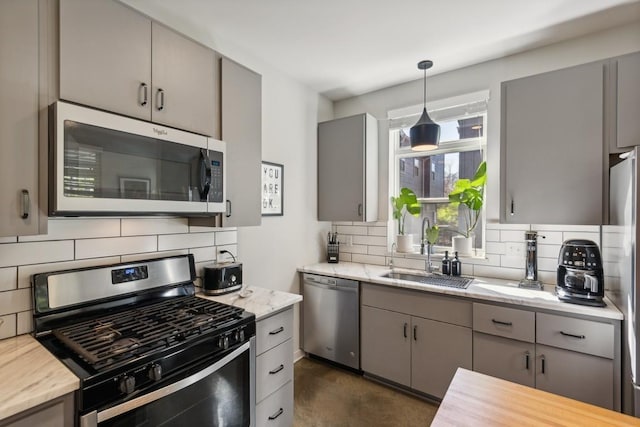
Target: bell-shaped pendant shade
425	134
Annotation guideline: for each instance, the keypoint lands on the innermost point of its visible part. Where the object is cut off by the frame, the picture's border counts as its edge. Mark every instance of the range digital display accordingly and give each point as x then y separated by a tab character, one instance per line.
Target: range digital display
129	274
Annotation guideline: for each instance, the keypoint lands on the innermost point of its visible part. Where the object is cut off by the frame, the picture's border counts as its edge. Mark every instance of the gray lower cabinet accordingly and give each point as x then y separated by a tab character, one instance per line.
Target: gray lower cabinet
628	100
142	69
274	370
19	106
241	97
552	138
348	169
505	358
414	339
58	412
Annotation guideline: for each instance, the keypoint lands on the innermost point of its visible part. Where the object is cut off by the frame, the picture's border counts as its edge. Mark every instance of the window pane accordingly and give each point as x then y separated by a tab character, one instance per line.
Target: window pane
452	130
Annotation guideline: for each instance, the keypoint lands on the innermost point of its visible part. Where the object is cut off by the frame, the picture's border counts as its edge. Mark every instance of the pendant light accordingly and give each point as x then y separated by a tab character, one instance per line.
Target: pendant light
425	134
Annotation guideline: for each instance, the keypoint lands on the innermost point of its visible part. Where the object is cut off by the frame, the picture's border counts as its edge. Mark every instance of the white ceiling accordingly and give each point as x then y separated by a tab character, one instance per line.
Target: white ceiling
343	48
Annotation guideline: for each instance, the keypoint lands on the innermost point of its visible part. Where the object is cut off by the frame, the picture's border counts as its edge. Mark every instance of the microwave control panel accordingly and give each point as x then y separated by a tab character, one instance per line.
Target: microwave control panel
216	192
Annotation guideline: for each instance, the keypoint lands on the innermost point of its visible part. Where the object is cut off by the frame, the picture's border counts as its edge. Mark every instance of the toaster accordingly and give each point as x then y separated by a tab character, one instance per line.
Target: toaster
222	278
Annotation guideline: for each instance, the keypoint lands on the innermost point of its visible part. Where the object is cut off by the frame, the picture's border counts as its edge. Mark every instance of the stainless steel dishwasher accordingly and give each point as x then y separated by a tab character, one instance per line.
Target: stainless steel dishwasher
331	319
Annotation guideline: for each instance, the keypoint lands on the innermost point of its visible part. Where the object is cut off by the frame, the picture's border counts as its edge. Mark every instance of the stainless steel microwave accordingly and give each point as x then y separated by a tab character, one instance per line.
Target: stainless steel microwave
106	164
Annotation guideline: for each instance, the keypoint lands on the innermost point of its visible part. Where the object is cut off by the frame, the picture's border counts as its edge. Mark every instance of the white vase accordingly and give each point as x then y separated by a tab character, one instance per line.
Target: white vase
462	245
405	242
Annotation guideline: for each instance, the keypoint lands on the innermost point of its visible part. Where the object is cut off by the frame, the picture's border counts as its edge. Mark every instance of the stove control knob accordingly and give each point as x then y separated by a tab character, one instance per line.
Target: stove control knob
240	335
127	384
225	343
155	372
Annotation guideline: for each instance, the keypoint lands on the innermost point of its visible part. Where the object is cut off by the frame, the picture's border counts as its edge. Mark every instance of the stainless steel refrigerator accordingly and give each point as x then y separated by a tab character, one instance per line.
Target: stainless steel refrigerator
622	268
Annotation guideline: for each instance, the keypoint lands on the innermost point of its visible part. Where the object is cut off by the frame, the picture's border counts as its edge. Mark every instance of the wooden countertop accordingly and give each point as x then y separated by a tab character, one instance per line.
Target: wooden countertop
30	375
475	399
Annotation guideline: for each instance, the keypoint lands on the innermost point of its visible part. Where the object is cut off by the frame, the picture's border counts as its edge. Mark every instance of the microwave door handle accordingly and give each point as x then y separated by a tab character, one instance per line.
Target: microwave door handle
205	175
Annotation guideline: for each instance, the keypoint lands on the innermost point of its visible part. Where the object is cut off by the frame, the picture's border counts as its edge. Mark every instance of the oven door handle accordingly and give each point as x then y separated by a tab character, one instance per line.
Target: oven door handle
93	418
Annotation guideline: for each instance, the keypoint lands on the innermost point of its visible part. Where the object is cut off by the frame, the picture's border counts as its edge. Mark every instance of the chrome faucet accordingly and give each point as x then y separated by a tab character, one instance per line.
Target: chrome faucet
393	250
424	234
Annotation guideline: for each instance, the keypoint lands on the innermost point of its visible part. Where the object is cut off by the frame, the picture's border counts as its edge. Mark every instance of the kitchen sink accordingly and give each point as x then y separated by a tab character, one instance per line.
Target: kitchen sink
432	279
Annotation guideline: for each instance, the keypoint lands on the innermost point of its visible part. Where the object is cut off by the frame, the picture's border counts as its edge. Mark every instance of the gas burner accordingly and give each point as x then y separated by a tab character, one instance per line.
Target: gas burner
202	319
124	345
106	332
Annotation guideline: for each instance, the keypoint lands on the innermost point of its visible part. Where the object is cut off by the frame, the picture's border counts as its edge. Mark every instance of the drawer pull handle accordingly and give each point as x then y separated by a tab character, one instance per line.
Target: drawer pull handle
277	331
543	363
26	204
276	415
415	333
566	334
499	322
278	369
526	360
145	94
405	329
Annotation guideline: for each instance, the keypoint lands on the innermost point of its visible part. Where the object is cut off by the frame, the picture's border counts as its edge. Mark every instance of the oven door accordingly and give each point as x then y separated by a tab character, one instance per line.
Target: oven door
222	394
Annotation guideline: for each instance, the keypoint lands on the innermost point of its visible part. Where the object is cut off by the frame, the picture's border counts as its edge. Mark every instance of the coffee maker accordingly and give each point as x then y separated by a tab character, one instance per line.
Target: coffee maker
580	276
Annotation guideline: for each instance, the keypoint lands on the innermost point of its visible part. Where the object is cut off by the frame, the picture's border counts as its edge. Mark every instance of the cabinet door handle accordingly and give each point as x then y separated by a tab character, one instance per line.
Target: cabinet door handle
278	369
228	214
277	331
566	334
543	363
26	204
144	91
526	360
498	322
276	415
415	332
359	209
160	99
513	208
405	329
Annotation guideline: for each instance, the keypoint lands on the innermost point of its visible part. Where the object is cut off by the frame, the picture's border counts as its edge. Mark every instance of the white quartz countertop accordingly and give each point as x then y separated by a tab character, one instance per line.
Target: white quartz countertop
30	375
488	289
261	302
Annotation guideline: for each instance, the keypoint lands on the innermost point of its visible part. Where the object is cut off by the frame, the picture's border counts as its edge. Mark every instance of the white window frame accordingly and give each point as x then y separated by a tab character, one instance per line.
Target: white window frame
469	144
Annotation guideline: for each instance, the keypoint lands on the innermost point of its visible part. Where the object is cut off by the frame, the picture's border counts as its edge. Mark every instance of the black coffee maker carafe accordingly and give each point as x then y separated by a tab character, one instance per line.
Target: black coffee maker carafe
580	278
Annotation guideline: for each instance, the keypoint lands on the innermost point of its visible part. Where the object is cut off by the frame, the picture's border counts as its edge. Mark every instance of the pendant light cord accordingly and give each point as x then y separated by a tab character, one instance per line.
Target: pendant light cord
424	104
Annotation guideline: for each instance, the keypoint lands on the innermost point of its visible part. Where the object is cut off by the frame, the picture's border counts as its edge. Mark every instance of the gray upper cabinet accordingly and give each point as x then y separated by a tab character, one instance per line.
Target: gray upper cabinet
183	82
552	147
105	57
628	100
109	53
241	97
19	103
348	169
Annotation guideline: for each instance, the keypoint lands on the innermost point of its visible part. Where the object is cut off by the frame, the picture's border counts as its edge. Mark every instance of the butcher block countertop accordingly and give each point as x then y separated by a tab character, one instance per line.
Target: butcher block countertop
475	399
30	376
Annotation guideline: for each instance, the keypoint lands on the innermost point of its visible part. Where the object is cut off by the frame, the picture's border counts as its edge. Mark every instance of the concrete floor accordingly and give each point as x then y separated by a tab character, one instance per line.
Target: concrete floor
326	396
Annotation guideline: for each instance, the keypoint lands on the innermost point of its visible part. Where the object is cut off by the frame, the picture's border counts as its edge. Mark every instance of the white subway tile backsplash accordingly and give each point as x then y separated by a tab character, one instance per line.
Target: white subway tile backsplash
346	257
377	231
145	226
492	235
207	254
24	323
14	254
354	249
370	240
553	227
11	239
227	257
26	271
8	278
548	251
595	237
548	277
377	250
512	262
152	255
414	263
226	237
74	228
368	259
499	272
15	301
512	235
514	248
95	248
467	269
352	229
7	326
498	226
547	264
550	238
495	248
488	259
183	241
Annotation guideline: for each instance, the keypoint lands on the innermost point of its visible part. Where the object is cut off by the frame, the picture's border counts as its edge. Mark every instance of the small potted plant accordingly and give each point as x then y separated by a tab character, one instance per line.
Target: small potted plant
406	202
469	192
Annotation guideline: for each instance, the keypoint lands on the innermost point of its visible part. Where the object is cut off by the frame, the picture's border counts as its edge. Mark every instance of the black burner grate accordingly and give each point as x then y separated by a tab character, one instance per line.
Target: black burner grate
120	337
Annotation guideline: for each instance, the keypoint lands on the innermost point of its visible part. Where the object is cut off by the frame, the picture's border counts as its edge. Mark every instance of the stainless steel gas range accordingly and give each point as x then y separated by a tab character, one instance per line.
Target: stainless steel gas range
148	352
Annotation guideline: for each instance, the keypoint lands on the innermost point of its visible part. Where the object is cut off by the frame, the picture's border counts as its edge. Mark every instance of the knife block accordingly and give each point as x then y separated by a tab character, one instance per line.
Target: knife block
333	252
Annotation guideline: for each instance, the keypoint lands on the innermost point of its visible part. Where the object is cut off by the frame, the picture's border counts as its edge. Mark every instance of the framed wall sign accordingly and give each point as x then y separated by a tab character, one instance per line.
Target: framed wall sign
272	189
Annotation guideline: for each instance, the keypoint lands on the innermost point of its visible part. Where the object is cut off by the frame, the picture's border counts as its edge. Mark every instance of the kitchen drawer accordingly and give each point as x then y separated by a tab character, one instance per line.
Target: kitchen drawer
277	409
504	322
273	369
585	336
274	330
452	310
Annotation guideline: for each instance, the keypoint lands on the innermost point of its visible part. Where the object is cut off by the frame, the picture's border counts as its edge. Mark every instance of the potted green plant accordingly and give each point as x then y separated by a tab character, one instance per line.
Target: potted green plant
469	192
406	202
